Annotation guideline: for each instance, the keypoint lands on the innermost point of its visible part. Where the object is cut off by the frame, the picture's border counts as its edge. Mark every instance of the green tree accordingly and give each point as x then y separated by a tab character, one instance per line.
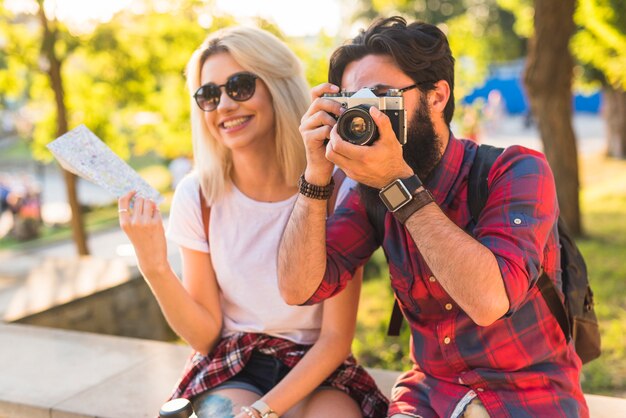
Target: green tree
54	52
548	79
600	45
127	82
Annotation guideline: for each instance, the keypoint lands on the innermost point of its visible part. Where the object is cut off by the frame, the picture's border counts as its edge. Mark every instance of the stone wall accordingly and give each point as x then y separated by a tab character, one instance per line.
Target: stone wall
128	309
86	294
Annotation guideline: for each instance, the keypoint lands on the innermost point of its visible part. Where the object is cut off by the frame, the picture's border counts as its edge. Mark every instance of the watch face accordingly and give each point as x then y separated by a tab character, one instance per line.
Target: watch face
395	196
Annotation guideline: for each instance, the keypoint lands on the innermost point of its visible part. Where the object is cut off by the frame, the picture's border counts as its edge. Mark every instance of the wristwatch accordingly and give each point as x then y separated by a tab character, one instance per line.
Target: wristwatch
420	199
402	198
399	192
264	409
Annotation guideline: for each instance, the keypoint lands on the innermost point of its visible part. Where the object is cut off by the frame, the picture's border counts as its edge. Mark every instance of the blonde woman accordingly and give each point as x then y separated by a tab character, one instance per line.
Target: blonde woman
255	355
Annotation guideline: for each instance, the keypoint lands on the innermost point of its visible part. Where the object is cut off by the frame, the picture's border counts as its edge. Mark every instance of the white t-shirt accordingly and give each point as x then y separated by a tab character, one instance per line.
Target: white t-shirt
244	236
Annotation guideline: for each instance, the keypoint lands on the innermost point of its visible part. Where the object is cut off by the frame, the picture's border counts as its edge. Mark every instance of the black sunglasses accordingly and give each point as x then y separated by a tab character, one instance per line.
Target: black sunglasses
239	87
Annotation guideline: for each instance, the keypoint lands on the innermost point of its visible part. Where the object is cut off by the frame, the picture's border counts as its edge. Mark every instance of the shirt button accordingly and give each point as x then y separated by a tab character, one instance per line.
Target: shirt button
448	306
432	279
446	340
517	221
480	389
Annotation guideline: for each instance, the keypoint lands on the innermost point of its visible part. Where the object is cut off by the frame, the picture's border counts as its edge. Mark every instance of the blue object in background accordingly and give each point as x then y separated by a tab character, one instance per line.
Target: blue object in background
507	79
513	96
588	103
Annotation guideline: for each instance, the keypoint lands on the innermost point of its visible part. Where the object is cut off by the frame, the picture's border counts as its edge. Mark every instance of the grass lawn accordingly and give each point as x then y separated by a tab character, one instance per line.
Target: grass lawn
603	201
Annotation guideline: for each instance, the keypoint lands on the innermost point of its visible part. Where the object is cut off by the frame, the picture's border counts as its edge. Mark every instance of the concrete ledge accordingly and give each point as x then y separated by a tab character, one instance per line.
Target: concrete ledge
104	296
60	280
69	374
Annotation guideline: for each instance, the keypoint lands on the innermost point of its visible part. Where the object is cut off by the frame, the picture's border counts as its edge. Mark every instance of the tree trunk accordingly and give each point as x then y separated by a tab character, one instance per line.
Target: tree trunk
615	116
56	82
548	79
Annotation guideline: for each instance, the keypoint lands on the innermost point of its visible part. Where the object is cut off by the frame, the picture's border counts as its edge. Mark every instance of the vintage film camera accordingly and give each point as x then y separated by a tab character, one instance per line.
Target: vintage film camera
356	125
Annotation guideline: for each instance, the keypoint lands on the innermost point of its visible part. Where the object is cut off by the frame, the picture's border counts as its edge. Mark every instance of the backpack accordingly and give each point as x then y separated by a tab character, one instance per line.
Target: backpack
576	317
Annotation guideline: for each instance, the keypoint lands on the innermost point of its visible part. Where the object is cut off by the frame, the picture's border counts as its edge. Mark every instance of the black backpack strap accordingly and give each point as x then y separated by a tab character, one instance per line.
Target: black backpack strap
395	321
478	188
376	216
551	296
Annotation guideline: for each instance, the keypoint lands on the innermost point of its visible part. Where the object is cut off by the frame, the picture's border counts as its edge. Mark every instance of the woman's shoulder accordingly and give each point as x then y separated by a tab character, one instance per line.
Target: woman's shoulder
189	183
187	188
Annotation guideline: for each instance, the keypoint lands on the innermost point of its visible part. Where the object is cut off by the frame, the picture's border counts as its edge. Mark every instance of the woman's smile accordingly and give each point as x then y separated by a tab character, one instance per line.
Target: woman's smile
235	124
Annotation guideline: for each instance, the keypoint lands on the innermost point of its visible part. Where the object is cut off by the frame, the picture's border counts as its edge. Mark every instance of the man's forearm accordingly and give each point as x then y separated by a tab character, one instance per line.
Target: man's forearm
466	269
302	252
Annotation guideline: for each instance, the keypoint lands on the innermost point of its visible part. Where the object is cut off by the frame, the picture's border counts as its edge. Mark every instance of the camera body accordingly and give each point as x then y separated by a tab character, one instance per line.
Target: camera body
356	125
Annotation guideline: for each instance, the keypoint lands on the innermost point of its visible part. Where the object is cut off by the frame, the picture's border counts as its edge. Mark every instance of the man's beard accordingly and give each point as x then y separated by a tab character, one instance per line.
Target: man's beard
421	152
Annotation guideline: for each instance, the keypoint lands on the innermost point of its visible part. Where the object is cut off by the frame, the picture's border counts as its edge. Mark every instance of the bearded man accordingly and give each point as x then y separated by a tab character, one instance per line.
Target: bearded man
483	340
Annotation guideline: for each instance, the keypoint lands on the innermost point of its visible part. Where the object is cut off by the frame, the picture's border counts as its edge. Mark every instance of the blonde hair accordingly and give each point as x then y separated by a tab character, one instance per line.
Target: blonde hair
269	58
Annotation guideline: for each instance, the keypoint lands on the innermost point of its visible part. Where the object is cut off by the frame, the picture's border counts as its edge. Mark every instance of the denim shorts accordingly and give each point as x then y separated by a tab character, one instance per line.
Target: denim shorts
259	375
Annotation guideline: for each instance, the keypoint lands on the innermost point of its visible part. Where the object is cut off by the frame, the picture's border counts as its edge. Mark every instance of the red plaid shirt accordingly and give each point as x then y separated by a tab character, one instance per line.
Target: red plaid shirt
520	366
231	355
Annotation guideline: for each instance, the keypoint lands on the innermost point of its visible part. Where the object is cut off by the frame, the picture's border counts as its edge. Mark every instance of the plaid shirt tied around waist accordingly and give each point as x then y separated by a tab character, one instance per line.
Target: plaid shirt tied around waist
521	365
231	354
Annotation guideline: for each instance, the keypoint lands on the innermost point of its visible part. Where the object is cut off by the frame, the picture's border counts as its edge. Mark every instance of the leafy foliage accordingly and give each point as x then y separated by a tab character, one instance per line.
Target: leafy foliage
124	79
524	13
601	42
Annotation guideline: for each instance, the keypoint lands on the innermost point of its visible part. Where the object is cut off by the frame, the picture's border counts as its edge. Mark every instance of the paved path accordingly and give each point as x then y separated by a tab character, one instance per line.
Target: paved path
589	129
107	244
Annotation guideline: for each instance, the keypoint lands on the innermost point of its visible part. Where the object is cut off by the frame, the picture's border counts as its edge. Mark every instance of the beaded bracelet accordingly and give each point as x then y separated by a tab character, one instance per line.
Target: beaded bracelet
316	192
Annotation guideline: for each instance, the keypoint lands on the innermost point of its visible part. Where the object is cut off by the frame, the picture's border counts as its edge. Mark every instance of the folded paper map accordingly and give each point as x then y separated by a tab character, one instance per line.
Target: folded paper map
81	152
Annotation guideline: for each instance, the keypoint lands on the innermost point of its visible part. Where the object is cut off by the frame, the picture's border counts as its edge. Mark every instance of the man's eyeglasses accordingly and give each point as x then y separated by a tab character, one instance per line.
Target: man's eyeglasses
239	87
382	90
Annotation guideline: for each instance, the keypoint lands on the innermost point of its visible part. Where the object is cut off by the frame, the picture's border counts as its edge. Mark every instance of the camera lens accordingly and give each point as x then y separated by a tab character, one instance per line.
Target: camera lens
357	126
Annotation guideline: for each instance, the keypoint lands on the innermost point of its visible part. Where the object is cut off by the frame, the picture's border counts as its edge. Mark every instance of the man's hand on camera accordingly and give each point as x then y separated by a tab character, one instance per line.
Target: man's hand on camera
315	127
376	165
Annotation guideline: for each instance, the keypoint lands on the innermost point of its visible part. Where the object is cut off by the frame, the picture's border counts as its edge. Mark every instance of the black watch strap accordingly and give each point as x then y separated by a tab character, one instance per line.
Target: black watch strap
412	183
399	192
420	199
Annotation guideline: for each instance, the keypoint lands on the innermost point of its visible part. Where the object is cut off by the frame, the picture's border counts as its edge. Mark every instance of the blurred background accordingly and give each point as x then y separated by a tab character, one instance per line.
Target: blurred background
544	74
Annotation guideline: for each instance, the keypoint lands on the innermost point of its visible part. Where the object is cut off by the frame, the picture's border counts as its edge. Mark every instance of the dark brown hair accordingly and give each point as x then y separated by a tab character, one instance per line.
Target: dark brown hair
420	50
